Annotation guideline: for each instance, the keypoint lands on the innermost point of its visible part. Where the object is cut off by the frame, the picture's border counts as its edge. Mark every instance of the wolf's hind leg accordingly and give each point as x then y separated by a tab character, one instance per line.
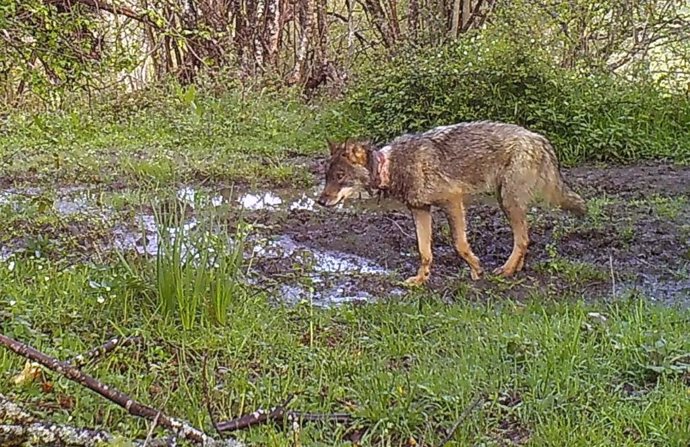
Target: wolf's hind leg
422	222
456	217
514	199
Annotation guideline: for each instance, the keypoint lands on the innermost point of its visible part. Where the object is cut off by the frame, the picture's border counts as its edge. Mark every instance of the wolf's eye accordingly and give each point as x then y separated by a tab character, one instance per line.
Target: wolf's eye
340	176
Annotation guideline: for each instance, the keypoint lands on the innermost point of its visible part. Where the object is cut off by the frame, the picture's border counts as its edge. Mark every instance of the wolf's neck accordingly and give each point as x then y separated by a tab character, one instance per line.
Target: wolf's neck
380	168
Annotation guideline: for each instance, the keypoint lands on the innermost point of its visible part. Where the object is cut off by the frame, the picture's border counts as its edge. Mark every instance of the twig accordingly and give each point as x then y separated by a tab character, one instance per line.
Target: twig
280	413
18	427
613	276
153	427
463	416
207	398
83	359
404	233
256	418
180	428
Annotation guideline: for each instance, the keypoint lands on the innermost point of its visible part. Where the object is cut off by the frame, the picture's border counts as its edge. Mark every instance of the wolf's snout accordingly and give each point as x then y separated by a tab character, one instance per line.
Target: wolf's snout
321	201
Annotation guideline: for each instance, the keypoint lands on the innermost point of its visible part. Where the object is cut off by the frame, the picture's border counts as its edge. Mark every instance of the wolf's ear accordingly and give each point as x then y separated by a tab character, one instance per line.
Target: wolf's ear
332	145
357	153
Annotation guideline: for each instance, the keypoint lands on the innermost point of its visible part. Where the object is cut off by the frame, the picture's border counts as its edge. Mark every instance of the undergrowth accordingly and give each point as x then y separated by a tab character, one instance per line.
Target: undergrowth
163	136
551	373
589	116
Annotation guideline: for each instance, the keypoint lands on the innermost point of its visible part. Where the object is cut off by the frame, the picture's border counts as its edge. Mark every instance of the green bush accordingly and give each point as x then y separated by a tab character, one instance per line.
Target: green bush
589	117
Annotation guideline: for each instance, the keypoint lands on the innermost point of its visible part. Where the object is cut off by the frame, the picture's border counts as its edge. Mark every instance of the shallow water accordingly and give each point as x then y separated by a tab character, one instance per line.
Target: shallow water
295	271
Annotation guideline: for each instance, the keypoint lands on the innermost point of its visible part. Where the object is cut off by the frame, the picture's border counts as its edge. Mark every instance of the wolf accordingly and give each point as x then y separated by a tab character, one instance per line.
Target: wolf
443	166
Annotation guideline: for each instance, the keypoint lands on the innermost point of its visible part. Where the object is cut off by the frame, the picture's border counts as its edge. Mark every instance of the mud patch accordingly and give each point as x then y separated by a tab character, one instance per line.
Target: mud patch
636	238
639	181
630	243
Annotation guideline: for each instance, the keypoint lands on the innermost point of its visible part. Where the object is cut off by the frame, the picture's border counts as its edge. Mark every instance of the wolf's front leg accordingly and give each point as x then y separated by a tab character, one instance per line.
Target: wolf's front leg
422	222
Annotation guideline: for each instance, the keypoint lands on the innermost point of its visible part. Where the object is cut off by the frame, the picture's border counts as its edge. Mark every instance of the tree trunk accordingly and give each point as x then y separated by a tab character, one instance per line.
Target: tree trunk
466	8
306	15
413	19
455	19
272	27
380	22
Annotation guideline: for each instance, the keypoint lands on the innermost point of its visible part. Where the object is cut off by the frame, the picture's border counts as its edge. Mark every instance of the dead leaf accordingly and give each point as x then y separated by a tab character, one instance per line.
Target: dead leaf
31	372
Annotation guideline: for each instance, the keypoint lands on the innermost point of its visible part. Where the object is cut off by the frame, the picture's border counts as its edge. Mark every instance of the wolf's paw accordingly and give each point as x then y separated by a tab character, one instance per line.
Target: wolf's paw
415	281
504	271
476	274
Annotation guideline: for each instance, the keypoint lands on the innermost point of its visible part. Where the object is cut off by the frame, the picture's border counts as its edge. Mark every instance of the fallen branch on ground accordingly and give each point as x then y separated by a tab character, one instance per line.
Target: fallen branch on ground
106	348
463	416
280	414
19	427
181	429
48	433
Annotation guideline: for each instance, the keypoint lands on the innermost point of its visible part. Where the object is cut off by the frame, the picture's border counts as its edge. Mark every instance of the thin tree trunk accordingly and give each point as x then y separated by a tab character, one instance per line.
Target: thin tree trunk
380	22
466	8
272	25
306	25
413	19
351	31
455	19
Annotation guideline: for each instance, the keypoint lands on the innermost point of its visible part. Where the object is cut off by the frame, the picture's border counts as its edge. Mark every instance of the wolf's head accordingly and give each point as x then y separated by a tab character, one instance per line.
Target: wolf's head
346	171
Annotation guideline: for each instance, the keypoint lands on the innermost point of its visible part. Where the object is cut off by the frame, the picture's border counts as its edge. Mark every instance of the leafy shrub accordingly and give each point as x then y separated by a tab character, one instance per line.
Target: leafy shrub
588	116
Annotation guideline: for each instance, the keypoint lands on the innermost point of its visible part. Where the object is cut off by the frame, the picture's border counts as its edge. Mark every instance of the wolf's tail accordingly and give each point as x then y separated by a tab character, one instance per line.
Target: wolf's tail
561	194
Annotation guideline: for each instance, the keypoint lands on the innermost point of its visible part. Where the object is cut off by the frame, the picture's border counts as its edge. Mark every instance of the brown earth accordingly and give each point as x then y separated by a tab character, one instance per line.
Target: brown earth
631	242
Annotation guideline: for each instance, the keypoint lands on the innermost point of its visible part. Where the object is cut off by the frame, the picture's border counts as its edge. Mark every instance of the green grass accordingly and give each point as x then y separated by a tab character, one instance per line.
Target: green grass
405	368
552	370
162	138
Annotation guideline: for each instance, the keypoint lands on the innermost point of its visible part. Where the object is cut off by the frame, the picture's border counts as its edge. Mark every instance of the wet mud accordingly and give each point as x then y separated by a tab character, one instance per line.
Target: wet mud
636	238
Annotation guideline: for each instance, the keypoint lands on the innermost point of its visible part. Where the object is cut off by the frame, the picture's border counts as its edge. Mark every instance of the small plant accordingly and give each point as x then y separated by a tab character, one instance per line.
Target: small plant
198	269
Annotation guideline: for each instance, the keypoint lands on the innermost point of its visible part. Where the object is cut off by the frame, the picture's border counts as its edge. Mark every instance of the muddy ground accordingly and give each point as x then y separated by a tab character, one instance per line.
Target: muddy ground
636	238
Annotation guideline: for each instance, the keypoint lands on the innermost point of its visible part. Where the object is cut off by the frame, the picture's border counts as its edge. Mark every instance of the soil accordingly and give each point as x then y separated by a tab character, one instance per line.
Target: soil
632	245
636	238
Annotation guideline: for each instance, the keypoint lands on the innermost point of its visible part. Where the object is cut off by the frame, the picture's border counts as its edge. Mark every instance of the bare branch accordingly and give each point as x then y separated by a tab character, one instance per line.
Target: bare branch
95	354
181	429
117	10
280	414
465	414
19	427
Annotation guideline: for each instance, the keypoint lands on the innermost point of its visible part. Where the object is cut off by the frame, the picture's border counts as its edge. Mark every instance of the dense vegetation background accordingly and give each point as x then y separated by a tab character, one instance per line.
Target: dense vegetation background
607	80
114	114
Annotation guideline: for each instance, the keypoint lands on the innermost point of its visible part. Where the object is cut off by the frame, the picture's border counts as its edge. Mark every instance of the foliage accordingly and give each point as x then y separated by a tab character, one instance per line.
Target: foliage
557	372
163	135
198	273
589	117
51	49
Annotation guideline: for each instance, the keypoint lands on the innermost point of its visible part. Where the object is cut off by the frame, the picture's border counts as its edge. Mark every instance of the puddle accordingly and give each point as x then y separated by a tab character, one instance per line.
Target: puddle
284	246
267	200
665	292
305	262
324	278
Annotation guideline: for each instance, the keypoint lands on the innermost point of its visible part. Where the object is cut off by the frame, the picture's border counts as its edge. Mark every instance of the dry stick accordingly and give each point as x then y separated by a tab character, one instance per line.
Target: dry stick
207	398
279	413
19	426
465	414
613	276
180	428
404	233
153	427
83	359
256	418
